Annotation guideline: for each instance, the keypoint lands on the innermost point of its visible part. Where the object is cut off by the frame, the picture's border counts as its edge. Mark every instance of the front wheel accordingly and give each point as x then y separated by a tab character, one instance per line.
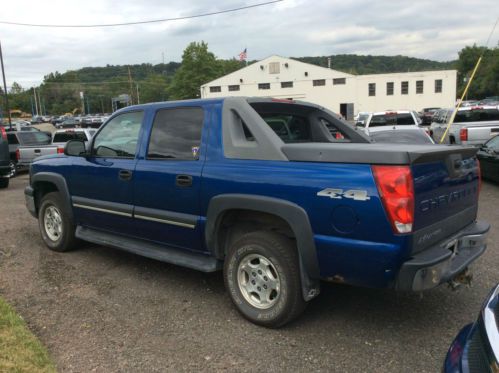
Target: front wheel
56	228
262	275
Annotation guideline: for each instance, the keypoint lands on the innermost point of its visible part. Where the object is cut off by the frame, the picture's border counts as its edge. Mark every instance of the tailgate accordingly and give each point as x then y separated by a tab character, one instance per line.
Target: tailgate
446	194
29	153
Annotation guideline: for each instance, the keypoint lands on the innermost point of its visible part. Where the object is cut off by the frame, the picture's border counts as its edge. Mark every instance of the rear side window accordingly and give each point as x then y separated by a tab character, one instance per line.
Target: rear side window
34	138
476	115
176	134
66	136
392	120
12	139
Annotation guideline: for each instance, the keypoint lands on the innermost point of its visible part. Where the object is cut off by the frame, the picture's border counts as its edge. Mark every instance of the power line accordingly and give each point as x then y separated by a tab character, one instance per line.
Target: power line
142	22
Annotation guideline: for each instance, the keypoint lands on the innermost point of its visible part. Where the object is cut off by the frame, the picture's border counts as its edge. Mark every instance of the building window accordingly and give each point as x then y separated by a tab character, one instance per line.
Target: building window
389	88
419	86
438	85
404	88
264	86
274	68
233	88
372	89
286	84
216	89
338	81
319	82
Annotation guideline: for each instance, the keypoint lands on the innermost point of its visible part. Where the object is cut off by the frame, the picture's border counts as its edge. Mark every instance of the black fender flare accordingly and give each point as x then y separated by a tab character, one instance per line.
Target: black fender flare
294	215
60	182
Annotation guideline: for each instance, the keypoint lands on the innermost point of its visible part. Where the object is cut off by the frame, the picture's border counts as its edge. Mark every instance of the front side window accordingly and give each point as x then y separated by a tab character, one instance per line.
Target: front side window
119	137
176	134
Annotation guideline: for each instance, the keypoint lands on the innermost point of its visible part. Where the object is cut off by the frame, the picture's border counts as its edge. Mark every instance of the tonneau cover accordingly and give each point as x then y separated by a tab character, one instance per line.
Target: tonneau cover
372	153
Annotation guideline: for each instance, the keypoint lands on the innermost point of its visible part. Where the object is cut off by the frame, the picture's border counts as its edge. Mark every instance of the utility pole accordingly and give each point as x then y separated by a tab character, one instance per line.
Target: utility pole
5	89
130	81
36	101
138	94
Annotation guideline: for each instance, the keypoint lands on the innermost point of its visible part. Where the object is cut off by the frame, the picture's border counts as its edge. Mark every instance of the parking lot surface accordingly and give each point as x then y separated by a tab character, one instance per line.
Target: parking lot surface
100	309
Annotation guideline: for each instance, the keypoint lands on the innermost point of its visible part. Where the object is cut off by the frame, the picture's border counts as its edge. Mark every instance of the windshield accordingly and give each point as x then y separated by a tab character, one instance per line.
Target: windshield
401	137
392	119
66	136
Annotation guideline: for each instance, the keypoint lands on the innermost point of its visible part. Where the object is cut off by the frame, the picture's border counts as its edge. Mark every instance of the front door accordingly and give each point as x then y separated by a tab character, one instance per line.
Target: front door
101	184
168	179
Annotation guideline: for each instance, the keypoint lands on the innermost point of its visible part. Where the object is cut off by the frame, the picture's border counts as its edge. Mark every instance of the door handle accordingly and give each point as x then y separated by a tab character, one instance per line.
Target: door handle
183	180
125	175
37	150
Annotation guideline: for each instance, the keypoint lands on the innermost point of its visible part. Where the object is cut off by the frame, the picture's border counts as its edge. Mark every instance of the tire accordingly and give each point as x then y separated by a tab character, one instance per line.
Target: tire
13	169
4	182
56	228
259	259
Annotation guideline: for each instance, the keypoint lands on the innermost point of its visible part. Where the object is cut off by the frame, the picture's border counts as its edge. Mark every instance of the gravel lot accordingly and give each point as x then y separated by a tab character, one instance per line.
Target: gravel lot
99	309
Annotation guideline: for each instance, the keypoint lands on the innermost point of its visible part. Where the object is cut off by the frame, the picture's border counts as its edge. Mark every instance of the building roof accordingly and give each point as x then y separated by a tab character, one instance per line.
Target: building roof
262	65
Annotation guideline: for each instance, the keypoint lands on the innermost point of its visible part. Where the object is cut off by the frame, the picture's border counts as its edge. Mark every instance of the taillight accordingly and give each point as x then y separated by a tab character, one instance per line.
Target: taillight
395	187
463	134
60	150
4	134
18	154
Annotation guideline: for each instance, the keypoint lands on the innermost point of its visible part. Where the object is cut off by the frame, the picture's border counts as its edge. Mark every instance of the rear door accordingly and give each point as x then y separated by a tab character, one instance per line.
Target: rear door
168	178
101	184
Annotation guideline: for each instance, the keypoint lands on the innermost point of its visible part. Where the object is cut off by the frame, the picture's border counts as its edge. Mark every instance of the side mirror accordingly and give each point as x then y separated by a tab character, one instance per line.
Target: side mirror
75	148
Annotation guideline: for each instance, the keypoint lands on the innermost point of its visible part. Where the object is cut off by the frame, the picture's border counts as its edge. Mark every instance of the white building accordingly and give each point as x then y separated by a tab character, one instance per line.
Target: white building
340	92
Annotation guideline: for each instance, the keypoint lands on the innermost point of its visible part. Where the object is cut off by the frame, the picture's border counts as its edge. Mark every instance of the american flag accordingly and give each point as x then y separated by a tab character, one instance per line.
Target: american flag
243	55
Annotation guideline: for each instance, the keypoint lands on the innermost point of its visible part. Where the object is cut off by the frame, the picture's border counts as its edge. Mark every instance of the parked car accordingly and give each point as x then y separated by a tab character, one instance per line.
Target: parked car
208	184
476	347
489	159
28	153
392	118
407	135
23	138
426	115
473	125
68	123
5	166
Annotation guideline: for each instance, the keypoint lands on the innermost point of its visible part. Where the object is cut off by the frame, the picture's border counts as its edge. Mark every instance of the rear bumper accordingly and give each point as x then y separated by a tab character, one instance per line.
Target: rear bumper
443	262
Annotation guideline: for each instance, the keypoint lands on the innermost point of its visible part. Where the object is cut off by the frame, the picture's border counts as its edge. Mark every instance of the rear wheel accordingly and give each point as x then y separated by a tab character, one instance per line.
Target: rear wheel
262	275
56	228
4	182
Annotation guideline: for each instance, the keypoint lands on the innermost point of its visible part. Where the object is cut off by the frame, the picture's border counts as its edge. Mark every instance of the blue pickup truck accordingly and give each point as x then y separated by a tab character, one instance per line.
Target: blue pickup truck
278	194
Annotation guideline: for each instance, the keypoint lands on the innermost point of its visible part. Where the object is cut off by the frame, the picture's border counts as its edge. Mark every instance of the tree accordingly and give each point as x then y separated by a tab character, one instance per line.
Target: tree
198	67
16	88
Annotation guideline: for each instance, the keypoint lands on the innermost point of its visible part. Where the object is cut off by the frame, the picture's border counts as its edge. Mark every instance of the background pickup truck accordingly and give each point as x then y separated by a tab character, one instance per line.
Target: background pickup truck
472	125
210	185
28	153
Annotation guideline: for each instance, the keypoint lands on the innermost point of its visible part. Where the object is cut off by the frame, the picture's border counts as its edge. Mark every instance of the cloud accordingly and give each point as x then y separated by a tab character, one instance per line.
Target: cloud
424	29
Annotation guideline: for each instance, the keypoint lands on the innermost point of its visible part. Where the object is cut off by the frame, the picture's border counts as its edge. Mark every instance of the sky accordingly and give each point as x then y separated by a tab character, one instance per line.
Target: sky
435	29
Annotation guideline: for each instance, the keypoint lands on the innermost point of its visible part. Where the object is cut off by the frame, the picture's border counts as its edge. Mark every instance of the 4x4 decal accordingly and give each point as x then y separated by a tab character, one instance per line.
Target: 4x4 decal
355	194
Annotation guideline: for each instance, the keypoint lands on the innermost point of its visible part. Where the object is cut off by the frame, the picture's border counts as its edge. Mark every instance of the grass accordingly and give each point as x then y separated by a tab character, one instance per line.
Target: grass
20	351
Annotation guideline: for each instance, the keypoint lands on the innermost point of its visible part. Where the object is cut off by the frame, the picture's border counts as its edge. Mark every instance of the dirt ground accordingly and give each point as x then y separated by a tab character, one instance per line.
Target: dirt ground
99	309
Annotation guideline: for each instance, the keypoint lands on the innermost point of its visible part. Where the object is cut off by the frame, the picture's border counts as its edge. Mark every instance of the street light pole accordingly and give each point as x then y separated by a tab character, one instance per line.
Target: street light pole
5	88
